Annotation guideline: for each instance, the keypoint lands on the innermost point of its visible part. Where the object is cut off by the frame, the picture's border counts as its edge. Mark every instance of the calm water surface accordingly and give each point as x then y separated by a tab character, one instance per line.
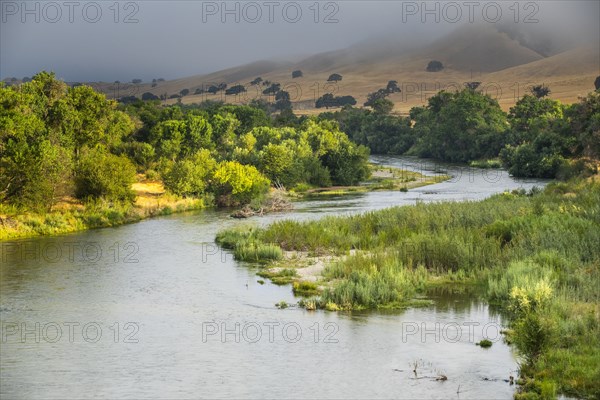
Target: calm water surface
155	310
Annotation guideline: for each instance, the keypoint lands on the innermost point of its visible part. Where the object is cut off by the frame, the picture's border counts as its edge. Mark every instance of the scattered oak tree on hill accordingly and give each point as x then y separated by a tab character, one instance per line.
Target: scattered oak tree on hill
334	78
329	100
597	83
256	81
282	101
435	66
297	74
214	89
540	91
381	94
273	89
235	90
392	87
149	96
472	85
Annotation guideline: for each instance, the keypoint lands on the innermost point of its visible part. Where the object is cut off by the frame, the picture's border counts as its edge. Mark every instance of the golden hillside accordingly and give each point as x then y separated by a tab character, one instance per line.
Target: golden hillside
471	53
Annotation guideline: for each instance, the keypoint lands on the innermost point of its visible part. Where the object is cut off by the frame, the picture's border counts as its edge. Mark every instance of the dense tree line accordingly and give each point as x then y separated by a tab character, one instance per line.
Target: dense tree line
539	137
58	141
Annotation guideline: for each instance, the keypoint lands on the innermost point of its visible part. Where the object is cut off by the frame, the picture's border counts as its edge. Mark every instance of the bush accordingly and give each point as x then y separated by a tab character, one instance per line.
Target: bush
104	175
485	343
190	176
236	184
257	252
305	288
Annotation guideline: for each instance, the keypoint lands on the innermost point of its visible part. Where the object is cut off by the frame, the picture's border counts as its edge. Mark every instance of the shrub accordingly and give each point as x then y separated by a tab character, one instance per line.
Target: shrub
104	175
236	184
305	288
190	176
257	252
485	343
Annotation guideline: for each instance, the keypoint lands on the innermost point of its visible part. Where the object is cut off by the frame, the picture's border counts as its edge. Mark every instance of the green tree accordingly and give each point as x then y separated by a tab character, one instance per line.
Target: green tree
459	127
198	134
434	66
540	91
383	106
167	137
190	176
100	174
236	184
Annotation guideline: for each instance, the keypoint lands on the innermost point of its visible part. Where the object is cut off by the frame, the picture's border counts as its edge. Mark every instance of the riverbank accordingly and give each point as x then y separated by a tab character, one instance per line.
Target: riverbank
151	200
382	178
535	254
71	215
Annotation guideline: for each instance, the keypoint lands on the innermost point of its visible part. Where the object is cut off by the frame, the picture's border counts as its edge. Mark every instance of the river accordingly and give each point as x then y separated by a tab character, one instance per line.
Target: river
156	310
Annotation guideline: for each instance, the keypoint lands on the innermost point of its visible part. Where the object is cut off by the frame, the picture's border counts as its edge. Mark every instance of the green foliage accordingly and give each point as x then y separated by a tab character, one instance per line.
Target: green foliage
189	177
235	183
377	100
45	128
370	282
537	254
104	175
235	90
485	343
257	252
382	106
329	100
382	134
305	288
585	125
459	127
279	277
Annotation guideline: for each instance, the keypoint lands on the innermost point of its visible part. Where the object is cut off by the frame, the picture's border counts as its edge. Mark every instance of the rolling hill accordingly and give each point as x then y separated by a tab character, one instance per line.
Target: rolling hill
471	53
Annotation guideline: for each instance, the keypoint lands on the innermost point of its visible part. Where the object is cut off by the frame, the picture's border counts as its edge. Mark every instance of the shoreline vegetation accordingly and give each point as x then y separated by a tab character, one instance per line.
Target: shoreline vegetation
70	148
535	254
71	216
152	199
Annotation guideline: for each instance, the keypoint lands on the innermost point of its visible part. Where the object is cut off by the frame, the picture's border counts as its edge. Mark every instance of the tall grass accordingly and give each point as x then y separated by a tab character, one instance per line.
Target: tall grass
16	223
537	254
369	281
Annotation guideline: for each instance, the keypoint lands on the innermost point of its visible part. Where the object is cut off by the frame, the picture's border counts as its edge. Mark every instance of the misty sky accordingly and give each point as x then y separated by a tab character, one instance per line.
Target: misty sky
90	41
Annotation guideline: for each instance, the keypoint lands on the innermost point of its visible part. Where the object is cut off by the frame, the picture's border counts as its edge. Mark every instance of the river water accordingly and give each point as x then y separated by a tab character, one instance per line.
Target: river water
156	310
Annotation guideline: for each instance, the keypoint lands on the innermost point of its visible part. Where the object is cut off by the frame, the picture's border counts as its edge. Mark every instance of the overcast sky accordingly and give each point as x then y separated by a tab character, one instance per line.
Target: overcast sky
105	40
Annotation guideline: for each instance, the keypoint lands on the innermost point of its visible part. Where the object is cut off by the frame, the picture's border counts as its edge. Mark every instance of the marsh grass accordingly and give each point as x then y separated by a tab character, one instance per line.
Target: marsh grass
536	254
279	277
257	252
305	288
18	223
